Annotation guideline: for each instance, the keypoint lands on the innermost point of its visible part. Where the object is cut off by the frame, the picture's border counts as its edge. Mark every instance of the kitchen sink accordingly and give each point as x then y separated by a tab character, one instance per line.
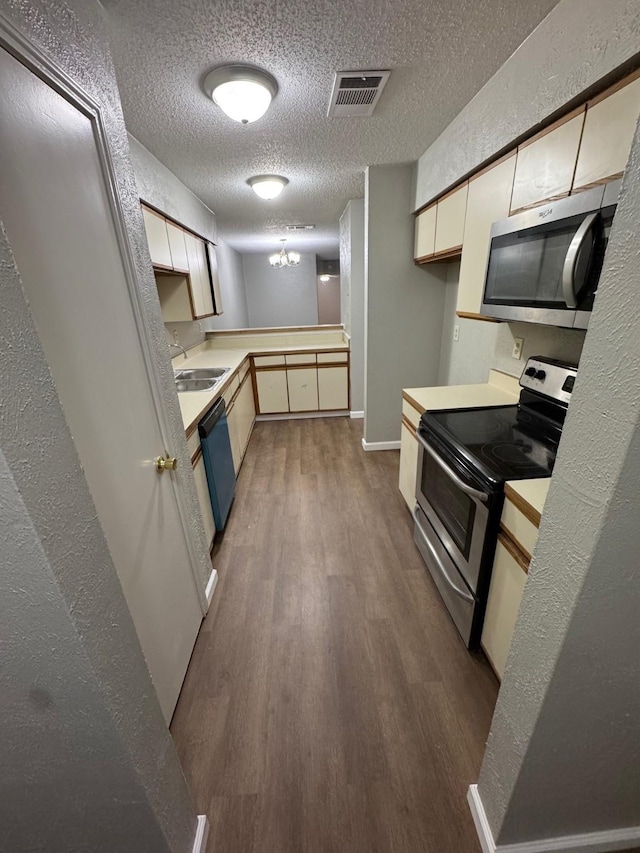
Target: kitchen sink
199	378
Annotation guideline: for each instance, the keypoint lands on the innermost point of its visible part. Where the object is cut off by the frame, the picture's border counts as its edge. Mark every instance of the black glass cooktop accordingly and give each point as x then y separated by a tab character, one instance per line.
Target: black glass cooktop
502	442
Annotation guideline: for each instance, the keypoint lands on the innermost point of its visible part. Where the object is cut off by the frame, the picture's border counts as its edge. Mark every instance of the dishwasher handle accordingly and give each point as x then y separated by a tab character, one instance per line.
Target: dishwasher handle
207	424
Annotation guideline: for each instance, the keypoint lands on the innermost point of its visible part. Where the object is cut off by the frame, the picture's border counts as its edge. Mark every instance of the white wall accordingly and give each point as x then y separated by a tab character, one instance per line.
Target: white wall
403	304
352	293
280	297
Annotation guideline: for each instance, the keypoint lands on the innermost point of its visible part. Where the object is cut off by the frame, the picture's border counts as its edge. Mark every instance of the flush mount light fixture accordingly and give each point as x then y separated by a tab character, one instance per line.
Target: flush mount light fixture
283	259
268	186
243	92
324	278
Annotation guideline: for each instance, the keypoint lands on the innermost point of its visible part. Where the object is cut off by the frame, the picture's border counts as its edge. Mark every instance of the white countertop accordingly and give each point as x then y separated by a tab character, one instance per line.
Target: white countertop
459	396
194	404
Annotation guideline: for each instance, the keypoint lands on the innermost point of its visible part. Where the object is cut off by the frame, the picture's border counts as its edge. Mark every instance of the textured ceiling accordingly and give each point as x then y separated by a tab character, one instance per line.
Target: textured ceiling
440	53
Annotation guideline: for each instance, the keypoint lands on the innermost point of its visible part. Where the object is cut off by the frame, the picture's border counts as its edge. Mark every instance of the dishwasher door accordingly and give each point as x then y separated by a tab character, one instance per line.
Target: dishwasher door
218	461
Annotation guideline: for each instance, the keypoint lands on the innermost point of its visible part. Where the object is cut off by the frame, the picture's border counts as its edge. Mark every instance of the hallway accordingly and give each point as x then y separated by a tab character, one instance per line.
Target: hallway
329	704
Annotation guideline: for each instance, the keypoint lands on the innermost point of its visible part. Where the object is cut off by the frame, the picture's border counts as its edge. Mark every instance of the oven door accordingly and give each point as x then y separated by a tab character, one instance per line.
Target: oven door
456	508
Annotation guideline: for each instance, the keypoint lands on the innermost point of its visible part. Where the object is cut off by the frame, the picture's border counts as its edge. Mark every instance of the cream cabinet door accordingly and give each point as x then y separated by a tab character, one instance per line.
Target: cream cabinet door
333	388
450	220
202	488
425	236
408	466
545	167
233	422
205	281
272	391
608	132
505	594
303	389
195	278
177	247
157	238
488	201
247	414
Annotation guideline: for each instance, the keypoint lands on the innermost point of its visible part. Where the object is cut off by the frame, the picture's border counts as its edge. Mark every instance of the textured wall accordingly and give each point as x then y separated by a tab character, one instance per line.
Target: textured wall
575	46
403	304
562	753
286	297
352	293
39	454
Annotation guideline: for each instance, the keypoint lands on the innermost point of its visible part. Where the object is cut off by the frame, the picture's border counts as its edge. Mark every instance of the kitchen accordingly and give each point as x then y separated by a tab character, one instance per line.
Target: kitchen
591	378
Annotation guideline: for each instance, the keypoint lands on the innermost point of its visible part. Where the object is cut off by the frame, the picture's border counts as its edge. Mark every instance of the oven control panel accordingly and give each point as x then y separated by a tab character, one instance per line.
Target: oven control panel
553	379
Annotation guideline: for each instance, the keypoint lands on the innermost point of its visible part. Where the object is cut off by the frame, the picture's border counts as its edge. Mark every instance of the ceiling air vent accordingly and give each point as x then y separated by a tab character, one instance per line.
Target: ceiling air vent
300	227
356	93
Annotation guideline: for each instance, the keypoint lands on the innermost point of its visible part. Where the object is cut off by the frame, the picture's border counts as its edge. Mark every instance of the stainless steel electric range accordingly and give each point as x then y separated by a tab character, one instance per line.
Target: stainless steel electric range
465	457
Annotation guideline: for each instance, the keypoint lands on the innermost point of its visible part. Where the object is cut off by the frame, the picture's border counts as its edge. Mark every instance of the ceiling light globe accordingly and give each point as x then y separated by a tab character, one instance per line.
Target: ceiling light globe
242	100
324	278
267	186
294	259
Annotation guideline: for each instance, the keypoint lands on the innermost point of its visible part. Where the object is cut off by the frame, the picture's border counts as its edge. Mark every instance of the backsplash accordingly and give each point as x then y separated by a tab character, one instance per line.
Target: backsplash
189	334
563	344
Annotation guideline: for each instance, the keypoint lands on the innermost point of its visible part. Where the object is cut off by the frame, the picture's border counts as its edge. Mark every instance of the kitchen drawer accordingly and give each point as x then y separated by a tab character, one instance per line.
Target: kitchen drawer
523	532
301	358
410	413
333	357
193	443
268	360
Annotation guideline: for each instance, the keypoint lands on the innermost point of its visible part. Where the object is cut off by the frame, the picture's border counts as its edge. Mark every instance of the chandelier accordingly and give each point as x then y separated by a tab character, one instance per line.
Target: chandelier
284	259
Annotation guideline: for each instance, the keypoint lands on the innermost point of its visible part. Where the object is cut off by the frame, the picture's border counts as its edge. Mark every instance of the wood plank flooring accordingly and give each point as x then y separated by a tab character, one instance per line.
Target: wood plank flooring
330	704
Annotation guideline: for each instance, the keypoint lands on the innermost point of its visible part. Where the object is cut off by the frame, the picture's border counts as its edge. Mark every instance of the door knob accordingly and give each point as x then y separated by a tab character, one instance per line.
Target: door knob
166	463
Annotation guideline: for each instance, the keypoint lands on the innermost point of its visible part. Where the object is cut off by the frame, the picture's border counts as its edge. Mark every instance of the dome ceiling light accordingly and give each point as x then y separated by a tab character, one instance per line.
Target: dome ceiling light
283	259
268	186
243	92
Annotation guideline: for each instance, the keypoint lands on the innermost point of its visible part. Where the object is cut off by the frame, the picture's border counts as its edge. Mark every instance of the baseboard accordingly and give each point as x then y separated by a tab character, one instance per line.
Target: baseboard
355	415
380	445
589	842
296	416
211	585
202	833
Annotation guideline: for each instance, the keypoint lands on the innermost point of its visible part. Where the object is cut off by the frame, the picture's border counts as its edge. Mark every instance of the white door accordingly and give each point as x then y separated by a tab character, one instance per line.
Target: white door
54	205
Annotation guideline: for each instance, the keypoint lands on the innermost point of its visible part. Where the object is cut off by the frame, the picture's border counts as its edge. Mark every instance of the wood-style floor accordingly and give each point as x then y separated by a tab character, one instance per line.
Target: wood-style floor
330	704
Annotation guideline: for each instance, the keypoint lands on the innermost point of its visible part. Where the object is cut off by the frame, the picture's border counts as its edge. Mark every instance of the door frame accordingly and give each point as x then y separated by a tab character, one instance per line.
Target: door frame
32	57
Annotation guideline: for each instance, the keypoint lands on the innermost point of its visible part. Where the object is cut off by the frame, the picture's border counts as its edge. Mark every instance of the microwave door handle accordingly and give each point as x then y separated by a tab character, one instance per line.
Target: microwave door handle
569	269
461	592
481	496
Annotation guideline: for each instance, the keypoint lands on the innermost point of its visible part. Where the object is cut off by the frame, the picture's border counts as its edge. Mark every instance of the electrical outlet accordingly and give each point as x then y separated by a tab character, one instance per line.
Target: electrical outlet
456	333
200	328
518	343
176	337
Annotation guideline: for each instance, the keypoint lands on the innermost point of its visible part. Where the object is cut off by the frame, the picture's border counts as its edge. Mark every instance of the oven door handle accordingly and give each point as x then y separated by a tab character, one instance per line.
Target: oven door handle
481	496
571	260
461	592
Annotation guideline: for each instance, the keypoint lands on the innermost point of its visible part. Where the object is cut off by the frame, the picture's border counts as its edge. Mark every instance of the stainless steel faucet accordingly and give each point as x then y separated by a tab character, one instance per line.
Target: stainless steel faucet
182	350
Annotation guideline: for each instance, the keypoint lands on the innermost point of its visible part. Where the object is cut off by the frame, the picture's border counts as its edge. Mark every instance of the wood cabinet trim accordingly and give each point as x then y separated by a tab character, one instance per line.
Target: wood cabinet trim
600	182
196	457
514	548
469	315
407	423
602	96
529	512
447	255
553	126
419	409
542	201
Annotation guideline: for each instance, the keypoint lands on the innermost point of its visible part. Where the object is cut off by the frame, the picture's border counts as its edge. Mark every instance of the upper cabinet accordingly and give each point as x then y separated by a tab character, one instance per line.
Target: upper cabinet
186	270
488	200
450	218
157	238
425	237
546	164
608	131
439	228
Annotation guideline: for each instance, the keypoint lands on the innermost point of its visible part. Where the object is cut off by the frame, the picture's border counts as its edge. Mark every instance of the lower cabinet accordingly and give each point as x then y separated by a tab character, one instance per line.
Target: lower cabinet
319	382
241	416
202	488
333	388
408	465
505	594
302	384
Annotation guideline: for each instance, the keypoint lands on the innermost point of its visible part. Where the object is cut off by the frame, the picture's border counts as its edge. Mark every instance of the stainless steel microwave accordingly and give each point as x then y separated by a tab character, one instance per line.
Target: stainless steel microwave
544	264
